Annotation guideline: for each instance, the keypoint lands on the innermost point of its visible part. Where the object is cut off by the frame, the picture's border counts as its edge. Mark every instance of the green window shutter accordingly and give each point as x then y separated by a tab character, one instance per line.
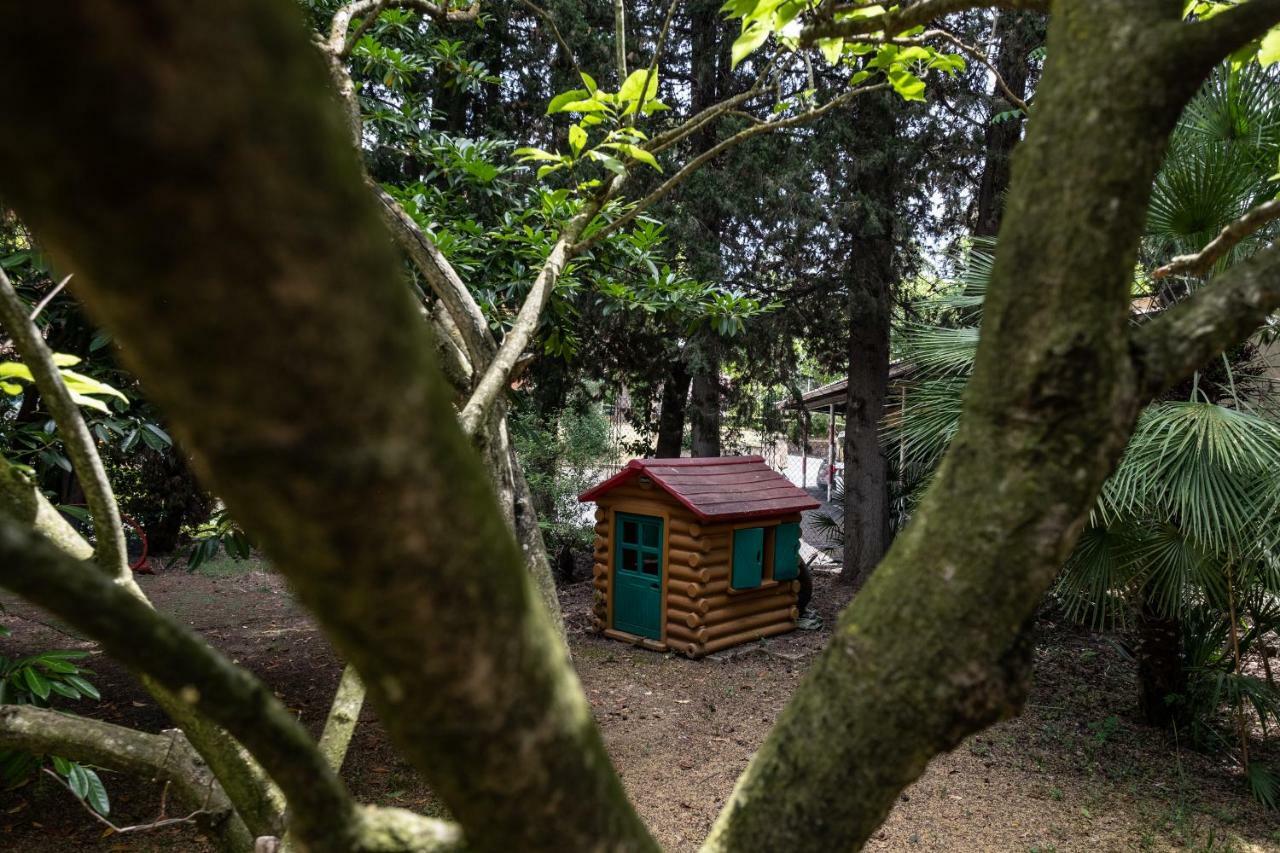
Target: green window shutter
786	552
748	557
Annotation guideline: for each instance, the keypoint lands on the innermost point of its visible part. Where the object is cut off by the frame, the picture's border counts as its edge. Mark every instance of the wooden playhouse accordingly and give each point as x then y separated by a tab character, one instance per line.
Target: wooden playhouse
696	555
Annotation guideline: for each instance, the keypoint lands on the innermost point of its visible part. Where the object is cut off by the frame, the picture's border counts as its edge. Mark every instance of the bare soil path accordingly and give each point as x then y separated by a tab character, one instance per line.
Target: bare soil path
1077	772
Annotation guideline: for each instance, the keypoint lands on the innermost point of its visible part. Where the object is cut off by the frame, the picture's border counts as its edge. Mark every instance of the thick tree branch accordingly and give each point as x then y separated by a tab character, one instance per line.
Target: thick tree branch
344	714
497	374
1230	237
109	551
1224	312
394	540
167	757
901	19
1212	40
150	643
22	500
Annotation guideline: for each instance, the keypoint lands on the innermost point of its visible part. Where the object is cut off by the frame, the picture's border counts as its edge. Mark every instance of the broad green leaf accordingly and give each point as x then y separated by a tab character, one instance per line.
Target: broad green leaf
639	154
63	359
588	82
630	90
78	383
906	84
589	105
577	138
527	154
558	102
1269	52
60	764
831	49
83	686
96	793
613	164
752	37
78	780
36	682
15	370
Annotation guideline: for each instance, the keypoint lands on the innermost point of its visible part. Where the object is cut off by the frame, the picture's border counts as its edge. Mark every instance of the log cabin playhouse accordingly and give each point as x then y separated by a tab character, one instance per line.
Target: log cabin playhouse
696	555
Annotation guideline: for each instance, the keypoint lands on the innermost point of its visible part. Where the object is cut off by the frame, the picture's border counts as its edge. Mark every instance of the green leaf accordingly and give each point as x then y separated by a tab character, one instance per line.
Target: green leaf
630	90
752	37
831	49
1269	51
906	84
78	780
96	793
36	682
577	138
588	82
528	154
558	102
62	359
64	690
611	163
60	764
83	686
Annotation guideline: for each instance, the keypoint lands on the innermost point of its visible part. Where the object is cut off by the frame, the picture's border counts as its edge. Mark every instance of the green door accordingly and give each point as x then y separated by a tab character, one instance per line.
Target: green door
637	575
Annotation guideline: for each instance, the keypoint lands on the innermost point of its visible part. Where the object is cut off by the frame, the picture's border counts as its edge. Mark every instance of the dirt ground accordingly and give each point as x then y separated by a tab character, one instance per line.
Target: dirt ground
1076	772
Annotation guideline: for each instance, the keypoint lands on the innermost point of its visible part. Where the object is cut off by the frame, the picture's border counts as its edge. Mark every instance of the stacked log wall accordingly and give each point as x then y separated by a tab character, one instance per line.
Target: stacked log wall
702	615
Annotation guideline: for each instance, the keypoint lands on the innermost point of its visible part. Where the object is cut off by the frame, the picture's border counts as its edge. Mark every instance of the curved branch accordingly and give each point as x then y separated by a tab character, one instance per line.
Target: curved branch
21	499
973	51
551	22
1228	238
1221	314
167	757
901	19
711	153
1213	39
109	552
497	374
340	45
344	714
148	642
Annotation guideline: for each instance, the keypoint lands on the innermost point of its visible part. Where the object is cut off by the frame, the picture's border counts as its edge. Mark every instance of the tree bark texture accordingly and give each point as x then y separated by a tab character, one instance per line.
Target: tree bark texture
204	191
1017	33
871	276
671	419
223	230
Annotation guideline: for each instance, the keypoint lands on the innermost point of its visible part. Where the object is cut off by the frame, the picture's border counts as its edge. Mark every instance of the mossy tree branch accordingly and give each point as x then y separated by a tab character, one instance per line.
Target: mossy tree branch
379	513
940	632
167	757
150	643
255	797
109	551
21	499
1184	338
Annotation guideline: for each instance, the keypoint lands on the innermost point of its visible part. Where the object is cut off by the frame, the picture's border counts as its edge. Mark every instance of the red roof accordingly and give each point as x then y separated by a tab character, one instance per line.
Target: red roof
719	488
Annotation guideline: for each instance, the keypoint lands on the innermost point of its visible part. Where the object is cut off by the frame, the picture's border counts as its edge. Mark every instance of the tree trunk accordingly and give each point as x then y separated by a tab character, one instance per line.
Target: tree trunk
705	414
871	278
1162	679
1018	33
675	402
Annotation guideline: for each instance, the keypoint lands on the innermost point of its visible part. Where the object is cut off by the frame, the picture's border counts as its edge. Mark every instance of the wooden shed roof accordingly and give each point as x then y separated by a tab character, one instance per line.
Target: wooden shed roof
716	488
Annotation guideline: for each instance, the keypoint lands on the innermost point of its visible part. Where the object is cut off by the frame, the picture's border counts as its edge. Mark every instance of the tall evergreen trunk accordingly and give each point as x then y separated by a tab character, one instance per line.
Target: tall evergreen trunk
1017	33
705	416
871	278
675	402
1161	676
705	215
